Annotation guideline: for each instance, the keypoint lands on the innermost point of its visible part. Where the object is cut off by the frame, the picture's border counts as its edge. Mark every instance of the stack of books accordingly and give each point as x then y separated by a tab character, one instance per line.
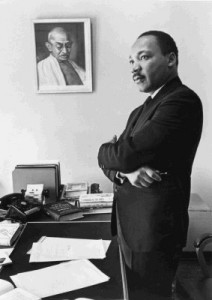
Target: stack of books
96	203
73	191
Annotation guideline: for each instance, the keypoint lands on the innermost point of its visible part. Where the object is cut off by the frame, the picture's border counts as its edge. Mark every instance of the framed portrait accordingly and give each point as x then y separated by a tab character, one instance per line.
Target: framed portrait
63	55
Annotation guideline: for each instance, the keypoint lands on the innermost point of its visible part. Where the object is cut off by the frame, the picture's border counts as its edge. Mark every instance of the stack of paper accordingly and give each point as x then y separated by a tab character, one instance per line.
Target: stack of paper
61	249
9	232
73	191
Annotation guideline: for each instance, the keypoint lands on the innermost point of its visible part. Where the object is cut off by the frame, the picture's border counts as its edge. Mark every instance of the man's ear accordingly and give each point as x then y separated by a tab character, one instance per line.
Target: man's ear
48	46
172	59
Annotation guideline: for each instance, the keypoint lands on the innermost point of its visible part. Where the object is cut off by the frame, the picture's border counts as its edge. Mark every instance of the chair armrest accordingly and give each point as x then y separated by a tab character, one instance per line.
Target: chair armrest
202	238
199	245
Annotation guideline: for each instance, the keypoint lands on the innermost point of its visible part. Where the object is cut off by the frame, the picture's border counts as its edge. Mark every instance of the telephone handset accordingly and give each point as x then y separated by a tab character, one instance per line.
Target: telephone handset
11	199
17	207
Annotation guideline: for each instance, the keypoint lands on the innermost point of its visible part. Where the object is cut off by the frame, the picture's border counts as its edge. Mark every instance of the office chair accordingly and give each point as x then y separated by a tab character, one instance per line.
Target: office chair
200	244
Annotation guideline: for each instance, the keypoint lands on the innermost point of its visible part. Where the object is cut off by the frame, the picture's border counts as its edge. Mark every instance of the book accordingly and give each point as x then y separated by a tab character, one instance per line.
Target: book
98	200
62	210
71	187
9	292
95	204
72	216
99	210
100	197
74	195
9	232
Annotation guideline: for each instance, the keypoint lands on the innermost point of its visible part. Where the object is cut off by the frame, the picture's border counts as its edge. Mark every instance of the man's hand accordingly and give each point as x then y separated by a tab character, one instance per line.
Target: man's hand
143	177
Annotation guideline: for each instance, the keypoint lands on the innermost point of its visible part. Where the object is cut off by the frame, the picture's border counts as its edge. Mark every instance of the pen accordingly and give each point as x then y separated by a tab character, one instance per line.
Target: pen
163	173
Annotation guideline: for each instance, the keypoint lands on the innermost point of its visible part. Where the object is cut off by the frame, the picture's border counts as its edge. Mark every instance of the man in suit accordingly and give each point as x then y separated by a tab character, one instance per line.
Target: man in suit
150	165
58	69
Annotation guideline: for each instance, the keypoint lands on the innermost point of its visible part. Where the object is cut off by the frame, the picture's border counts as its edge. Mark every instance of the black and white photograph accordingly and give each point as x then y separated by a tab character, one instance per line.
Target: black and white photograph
63	55
105	156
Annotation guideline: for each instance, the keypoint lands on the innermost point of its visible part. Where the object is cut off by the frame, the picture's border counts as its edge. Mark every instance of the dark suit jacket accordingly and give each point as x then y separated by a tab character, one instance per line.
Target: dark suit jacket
163	134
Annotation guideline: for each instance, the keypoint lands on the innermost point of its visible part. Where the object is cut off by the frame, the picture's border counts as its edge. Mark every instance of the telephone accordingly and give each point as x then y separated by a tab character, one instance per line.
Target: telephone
17	207
11	199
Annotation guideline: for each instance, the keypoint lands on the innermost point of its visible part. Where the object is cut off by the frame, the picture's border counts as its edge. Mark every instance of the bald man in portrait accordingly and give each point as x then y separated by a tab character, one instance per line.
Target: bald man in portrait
58	69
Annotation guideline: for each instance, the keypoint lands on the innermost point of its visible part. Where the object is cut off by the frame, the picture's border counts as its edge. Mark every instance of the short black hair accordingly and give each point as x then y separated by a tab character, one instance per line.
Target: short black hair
165	41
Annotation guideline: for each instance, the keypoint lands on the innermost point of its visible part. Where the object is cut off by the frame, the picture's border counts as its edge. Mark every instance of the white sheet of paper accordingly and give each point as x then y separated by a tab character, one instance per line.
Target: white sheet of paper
42	253
60	249
5	286
41	239
106	244
19	294
61	278
4	253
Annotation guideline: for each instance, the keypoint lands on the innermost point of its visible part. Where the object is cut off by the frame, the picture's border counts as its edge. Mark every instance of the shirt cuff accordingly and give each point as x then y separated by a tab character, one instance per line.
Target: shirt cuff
120	178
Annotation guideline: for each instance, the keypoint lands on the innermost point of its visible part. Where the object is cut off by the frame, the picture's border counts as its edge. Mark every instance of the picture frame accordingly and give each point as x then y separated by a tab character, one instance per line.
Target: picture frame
63	55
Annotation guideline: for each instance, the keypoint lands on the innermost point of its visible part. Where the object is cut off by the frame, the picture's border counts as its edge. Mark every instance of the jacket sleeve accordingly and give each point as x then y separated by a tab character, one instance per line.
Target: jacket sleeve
164	129
112	174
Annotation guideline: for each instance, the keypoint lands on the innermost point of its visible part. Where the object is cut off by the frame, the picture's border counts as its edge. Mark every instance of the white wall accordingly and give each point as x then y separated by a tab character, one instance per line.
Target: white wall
71	127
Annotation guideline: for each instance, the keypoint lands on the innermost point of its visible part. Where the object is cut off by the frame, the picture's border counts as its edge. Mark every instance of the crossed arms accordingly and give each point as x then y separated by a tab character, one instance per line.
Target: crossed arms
143	177
134	156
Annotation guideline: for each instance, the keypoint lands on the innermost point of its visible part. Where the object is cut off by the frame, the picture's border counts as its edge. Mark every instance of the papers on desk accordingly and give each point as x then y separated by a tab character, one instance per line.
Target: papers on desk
9	232
17	294
4	256
61	249
61	278
9	292
66	276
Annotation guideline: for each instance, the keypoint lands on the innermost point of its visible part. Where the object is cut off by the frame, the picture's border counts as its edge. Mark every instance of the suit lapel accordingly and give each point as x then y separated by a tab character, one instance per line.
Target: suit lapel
145	114
133	121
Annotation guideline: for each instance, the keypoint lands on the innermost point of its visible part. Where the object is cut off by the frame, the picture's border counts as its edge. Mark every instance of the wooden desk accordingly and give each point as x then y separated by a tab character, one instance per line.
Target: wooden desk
112	265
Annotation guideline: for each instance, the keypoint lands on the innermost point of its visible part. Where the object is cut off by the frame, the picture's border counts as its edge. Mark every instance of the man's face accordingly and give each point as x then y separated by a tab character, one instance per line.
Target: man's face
150	68
60	46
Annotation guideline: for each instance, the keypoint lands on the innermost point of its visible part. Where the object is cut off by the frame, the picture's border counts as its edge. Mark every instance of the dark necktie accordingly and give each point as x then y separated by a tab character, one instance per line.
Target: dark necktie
71	76
148	101
147	104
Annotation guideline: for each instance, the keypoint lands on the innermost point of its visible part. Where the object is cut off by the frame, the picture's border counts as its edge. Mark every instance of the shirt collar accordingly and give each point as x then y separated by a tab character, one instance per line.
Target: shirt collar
155	92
